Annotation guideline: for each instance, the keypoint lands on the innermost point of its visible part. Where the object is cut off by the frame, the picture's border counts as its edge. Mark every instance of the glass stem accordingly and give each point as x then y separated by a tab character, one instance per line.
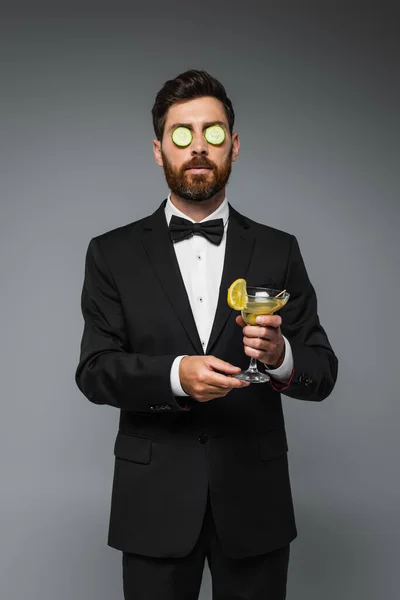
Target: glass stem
253	366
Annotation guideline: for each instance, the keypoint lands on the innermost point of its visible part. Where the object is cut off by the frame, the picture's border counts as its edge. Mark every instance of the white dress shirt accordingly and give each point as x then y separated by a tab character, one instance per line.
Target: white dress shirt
201	264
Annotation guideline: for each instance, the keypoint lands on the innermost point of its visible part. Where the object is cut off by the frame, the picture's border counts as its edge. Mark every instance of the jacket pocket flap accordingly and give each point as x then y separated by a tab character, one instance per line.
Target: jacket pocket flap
135	449
273	444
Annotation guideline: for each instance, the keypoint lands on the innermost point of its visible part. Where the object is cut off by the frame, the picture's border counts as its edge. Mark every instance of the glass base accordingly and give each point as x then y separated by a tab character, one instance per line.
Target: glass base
252	376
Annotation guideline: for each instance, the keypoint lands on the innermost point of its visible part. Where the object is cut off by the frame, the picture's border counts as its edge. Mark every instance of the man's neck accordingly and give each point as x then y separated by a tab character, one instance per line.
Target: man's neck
198	210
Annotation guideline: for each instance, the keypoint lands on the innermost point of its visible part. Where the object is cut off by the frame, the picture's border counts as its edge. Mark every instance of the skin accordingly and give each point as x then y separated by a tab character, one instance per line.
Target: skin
264	342
198	195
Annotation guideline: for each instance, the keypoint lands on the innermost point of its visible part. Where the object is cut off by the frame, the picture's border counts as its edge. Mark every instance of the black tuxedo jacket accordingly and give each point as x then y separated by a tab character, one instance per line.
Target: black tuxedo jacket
169	450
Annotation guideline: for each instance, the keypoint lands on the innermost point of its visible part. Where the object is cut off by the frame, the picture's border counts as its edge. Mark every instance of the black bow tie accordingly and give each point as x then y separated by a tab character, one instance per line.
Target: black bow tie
181	229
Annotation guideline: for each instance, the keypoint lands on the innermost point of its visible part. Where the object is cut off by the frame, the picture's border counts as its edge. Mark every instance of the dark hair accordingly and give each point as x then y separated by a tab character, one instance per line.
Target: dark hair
186	86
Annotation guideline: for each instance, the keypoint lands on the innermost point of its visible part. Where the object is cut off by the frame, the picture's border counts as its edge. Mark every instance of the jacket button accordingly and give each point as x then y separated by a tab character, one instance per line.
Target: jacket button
202	437
305	379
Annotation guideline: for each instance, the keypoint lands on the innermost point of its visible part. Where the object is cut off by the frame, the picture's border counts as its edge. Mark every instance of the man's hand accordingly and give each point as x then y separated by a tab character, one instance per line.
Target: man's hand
202	377
264	341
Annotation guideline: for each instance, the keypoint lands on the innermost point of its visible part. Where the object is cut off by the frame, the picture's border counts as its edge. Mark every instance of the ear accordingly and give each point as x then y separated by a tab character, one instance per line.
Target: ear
157	152
235	145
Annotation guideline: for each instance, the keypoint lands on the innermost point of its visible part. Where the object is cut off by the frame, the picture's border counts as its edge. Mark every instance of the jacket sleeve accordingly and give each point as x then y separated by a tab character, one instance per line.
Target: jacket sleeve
315	364
107	372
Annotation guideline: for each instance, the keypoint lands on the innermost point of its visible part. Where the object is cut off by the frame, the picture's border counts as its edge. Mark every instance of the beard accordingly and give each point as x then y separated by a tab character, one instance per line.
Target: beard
197	187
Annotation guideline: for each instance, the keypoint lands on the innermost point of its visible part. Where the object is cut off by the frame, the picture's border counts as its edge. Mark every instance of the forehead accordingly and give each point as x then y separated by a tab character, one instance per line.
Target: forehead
198	110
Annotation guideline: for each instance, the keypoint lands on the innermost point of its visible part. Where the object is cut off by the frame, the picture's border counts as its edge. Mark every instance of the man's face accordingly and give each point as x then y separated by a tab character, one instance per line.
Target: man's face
179	163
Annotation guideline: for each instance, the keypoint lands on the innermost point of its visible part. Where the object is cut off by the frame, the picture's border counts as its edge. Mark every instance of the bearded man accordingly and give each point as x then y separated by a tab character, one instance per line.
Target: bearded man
201	457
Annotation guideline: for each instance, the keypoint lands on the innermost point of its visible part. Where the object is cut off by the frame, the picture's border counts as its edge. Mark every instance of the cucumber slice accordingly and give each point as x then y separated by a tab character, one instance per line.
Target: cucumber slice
182	136
215	134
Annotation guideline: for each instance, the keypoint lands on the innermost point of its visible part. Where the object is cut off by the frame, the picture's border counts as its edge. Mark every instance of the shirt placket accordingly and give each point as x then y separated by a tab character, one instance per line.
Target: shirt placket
199	285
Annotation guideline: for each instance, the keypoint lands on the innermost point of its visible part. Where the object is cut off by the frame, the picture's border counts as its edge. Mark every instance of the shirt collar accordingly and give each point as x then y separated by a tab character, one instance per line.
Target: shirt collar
222	212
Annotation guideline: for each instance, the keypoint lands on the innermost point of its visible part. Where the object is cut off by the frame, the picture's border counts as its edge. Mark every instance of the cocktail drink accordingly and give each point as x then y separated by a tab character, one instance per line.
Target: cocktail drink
255	301
261	306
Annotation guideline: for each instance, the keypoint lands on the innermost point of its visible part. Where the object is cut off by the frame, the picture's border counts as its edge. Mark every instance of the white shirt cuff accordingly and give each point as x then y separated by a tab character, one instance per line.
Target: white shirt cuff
283	372
174	378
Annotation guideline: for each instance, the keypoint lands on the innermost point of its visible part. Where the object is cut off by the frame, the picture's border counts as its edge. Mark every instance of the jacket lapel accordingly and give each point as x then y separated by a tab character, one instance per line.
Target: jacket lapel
238	252
161	254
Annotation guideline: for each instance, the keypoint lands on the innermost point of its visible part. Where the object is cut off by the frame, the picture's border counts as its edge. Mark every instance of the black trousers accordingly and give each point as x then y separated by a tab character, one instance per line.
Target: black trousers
256	578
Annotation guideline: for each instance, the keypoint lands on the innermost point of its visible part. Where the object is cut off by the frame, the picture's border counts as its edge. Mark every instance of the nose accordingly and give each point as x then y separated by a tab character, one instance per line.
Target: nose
199	144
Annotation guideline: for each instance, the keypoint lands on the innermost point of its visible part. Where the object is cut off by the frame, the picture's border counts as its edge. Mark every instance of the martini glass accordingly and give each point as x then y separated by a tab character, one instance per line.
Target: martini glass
260	301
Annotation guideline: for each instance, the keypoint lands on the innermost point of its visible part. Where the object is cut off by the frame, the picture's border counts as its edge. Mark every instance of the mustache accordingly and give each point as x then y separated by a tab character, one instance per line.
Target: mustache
199	165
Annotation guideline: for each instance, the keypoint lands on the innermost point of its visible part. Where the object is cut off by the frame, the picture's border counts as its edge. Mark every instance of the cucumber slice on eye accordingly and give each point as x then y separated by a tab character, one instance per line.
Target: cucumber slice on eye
215	134
182	136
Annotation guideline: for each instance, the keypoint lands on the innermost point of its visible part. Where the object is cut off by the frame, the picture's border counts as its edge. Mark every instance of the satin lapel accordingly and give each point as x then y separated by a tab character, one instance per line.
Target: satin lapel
161	254
238	252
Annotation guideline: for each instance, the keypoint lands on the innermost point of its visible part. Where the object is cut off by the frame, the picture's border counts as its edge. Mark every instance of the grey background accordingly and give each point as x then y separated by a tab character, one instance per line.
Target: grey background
316	94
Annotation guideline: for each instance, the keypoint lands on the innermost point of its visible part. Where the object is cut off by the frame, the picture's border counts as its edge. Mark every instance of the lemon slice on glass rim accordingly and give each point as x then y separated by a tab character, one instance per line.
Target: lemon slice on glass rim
237	294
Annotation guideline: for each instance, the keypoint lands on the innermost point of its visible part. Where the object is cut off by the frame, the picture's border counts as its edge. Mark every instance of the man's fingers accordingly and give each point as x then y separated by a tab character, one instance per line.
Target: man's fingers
207	377
269	321
267	333
218	390
216	364
222	382
219	387
263	321
240	321
257	343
